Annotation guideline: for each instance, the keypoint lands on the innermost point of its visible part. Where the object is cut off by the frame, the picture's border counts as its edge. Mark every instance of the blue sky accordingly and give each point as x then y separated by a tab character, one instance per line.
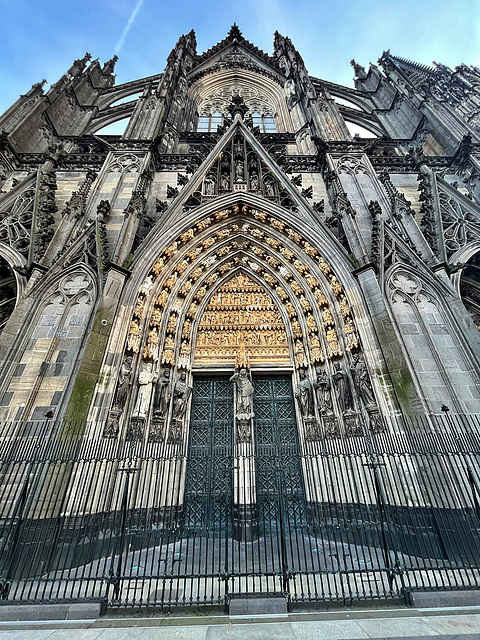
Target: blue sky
41	39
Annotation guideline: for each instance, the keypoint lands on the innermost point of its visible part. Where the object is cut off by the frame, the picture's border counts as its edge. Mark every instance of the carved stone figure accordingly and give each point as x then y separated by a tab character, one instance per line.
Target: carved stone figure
123	384
362	381
162	393
146	379
304	395
244	386
324	392
181	394
341	384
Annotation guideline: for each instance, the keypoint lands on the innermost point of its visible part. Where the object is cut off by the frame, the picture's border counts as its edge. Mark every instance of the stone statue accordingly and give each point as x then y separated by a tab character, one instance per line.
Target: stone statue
362	381
324	392
181	394
304	395
123	384
146	379
343	389
244	387
162	393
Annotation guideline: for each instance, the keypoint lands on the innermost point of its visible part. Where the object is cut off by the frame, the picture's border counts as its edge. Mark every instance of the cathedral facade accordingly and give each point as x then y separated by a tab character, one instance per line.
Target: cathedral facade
238	274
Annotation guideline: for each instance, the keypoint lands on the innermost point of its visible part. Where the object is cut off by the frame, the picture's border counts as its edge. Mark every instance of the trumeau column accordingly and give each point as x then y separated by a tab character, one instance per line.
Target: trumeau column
244	492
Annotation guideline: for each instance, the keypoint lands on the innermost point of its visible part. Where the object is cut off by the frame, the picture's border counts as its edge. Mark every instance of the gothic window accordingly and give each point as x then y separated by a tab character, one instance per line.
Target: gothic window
265	123
210	123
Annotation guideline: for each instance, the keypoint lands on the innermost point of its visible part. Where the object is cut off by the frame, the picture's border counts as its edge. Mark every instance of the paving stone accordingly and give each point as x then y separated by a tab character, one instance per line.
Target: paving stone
396	628
454	624
331	629
259	631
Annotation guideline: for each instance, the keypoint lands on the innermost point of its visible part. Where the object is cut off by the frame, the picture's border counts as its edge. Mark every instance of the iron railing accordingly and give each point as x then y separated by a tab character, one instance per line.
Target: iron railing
86	518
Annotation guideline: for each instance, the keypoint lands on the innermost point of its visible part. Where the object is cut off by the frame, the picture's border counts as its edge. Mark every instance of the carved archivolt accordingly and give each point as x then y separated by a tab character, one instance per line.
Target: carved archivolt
191	267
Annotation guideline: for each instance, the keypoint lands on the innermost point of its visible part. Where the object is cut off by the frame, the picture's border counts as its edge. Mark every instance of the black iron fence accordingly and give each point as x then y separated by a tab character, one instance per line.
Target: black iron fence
145	523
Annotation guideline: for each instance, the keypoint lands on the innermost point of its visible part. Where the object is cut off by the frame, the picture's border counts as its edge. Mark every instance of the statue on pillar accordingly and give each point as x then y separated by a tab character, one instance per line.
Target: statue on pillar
341	384
363	385
304	395
161	401
146	379
123	384
181	395
244	387
324	392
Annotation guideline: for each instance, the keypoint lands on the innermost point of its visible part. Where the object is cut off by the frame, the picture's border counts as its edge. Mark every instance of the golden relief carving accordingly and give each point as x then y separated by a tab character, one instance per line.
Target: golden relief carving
293	235
272	262
290	310
138	311
194	253
325	267
309	250
272	243
344	307
170	282
242	322
187	236
180	268
185	289
276	224
156	318
259	215
203	224
192	310
320	298
151	347
208	242
296	288
222	215
172	323
327	318
169	251
351	336
316	353
296	329
158	266
222	251
222	234
333	346
287	254
336	286
300	357
256	233
311	324
161	300
223	268
304	303
268	278
301	268
312	283
168	354
281	294
133	340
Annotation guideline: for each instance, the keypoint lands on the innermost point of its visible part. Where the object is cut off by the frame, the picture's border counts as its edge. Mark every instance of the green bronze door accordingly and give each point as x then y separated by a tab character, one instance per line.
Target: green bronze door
209	481
279	481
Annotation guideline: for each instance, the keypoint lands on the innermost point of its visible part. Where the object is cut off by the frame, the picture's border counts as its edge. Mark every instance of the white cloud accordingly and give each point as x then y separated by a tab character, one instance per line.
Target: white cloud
131	20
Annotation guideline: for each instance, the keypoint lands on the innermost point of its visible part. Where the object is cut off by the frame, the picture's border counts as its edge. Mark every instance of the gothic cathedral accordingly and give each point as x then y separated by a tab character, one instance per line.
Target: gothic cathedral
236	282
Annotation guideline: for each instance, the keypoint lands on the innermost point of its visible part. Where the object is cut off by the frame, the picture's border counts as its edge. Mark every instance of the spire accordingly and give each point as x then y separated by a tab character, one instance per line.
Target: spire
235	33
360	73
109	66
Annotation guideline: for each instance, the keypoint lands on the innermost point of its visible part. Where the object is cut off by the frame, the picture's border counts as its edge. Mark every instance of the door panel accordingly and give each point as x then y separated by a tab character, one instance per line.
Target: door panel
208	481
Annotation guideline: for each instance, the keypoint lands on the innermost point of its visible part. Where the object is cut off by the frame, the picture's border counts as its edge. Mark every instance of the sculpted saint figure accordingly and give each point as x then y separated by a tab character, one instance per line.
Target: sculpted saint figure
181	394
244	387
324	389
304	395
162	393
123	384
343	390
362	381
146	379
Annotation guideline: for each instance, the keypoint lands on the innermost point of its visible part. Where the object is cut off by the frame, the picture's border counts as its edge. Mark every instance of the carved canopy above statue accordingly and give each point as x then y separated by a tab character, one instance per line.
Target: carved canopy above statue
241	326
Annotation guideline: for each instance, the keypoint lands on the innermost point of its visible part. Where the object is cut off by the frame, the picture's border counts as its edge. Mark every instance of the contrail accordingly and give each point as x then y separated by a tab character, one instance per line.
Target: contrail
133	15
